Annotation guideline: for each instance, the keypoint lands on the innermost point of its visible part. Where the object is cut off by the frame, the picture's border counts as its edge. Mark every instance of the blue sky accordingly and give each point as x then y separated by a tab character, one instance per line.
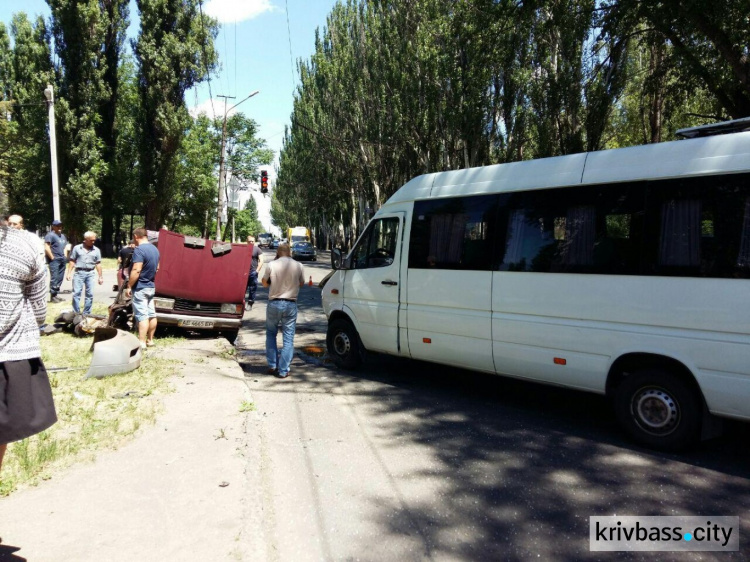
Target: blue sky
258	50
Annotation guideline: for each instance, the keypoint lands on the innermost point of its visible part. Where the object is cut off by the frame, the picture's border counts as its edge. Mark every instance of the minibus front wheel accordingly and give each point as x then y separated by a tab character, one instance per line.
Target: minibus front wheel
343	345
659	409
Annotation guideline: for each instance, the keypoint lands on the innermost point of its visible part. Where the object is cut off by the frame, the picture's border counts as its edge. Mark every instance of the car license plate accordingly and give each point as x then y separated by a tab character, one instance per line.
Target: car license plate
195	324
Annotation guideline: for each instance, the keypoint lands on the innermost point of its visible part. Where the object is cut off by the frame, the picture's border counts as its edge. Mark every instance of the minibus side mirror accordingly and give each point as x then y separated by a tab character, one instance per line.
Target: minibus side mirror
335	259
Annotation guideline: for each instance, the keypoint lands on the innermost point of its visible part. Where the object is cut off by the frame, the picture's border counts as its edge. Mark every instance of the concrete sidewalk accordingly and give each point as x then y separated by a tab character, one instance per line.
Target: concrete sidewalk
178	491
183	489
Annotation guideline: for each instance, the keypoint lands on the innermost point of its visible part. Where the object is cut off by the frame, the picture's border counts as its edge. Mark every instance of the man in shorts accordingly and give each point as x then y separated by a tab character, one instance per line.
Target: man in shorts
26	405
141	286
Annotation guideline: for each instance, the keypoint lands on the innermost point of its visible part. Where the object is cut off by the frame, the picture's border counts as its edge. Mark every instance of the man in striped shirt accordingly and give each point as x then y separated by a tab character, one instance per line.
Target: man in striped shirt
26	405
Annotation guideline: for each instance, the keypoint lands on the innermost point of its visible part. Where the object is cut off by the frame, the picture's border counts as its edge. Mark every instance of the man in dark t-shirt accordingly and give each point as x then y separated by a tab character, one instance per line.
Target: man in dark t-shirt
124	258
54	248
141	285
252	278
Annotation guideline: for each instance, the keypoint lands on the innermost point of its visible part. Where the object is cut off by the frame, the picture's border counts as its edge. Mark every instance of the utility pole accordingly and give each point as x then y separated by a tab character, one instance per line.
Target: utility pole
49	93
221	168
221	159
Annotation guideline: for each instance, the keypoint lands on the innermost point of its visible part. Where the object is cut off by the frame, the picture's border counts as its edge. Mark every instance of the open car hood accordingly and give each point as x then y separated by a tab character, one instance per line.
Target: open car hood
202	270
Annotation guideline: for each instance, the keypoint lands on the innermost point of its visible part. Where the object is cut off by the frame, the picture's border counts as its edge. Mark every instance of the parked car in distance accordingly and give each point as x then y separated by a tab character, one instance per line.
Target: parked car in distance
274	244
304	251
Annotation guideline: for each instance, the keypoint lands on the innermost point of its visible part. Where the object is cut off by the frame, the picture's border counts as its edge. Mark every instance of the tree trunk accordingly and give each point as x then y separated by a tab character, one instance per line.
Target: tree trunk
657	95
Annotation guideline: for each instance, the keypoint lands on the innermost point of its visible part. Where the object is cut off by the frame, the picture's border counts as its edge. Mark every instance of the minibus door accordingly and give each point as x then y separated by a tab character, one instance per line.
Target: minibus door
373	283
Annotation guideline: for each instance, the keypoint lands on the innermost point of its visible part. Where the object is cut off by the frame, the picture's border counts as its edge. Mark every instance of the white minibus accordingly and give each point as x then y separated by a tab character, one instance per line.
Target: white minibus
623	272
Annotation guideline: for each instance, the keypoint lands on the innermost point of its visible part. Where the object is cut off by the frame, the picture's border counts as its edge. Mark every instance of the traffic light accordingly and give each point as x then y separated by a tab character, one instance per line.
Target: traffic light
263	181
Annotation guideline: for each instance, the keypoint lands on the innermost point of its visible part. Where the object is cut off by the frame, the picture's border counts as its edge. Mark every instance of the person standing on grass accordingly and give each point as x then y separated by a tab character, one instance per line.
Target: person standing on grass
54	247
285	276
85	258
26	404
141	286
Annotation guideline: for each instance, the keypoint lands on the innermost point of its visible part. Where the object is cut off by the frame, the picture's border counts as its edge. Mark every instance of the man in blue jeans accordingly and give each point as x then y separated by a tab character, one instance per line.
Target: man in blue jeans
141	286
285	276
86	260
252	278
54	248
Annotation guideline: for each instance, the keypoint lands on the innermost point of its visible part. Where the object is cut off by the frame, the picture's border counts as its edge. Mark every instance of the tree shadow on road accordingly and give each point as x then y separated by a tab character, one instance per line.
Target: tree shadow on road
7	553
518	467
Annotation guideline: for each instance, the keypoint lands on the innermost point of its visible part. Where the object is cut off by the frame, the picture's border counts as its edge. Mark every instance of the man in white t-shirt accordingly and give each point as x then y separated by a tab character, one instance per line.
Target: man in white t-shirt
284	276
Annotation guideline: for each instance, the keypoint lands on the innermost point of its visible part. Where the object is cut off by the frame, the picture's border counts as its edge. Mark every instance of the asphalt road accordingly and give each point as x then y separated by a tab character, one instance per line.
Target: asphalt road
406	460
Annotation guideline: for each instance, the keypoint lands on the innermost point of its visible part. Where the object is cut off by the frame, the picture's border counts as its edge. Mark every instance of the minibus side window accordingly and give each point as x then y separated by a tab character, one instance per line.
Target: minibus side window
587	229
686	227
699	227
454	233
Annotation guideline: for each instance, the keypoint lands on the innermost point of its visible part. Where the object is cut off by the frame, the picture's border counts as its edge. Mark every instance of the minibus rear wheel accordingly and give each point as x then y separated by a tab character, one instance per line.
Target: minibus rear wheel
342	341
659	409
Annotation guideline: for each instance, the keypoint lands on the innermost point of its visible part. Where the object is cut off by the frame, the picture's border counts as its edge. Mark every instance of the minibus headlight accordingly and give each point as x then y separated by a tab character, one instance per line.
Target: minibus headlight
228	308
164	303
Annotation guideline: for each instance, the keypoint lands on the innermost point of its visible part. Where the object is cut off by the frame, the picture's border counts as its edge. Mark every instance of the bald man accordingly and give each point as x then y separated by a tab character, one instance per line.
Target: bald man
15	221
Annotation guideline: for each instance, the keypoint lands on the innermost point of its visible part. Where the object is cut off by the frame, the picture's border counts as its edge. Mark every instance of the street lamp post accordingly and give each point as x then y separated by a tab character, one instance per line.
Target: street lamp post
221	160
49	93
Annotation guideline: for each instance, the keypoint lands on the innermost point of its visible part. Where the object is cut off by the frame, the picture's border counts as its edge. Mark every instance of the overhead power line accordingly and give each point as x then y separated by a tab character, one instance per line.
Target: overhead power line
289	36
226	55
205	57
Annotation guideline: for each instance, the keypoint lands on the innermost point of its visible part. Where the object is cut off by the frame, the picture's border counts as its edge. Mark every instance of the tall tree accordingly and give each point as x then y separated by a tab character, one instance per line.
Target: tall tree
398	88
194	205
116	23
280	214
245	151
6	105
246	221
708	44
79	29
175	51
27	162
124	175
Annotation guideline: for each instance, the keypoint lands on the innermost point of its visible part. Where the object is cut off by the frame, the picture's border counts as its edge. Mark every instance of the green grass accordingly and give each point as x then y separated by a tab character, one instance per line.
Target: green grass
109	263
55	308
90	417
247	406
